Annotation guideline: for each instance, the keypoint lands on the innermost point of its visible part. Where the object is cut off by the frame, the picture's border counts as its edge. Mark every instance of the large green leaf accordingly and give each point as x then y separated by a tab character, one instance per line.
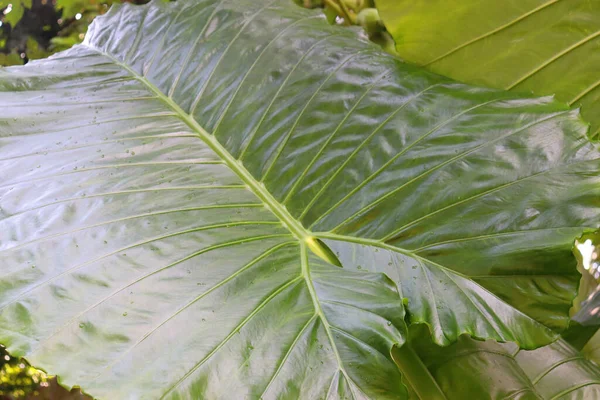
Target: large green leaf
540	46
167	188
470	369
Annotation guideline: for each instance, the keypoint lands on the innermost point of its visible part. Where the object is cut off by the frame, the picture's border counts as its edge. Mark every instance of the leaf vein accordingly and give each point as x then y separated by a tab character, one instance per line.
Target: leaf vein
394	158
228	337
205	250
264	115
287	354
492	32
330	138
83	197
248	265
191	51
207	82
284	143
355	151
78	266
254	64
553	59
499	234
151	214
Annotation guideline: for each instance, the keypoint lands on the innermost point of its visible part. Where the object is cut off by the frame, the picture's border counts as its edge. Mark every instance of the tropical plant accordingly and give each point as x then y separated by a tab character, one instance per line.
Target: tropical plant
545	47
235	199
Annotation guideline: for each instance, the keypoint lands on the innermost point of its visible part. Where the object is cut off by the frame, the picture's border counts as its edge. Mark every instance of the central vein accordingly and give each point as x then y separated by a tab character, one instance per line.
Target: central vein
258	188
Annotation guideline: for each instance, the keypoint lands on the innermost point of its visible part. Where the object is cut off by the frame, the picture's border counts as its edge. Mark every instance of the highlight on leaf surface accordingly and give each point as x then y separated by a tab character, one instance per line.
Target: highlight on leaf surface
248	219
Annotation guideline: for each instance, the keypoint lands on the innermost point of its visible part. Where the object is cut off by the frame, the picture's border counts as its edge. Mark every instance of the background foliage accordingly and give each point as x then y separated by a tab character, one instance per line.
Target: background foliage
34	29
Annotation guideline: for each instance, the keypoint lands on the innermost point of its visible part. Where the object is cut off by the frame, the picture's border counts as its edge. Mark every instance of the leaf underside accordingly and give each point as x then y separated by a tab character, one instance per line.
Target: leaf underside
164	184
544	47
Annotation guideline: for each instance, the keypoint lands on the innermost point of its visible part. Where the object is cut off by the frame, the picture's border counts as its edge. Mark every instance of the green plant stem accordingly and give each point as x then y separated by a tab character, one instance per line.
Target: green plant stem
415	374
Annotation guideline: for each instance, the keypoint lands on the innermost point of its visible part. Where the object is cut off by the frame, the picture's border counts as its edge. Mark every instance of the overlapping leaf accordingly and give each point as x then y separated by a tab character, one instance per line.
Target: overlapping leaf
488	370
168	185
542	46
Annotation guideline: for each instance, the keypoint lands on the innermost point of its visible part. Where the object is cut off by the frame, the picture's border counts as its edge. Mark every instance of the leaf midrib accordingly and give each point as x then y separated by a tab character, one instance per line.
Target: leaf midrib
294	226
306	238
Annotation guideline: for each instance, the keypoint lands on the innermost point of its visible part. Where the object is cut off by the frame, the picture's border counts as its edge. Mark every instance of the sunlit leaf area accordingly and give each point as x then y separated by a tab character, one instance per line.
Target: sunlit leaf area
300	199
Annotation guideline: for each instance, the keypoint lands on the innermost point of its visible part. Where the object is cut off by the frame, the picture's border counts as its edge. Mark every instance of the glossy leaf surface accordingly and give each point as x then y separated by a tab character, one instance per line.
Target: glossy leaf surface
470	369
541	46
168	188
